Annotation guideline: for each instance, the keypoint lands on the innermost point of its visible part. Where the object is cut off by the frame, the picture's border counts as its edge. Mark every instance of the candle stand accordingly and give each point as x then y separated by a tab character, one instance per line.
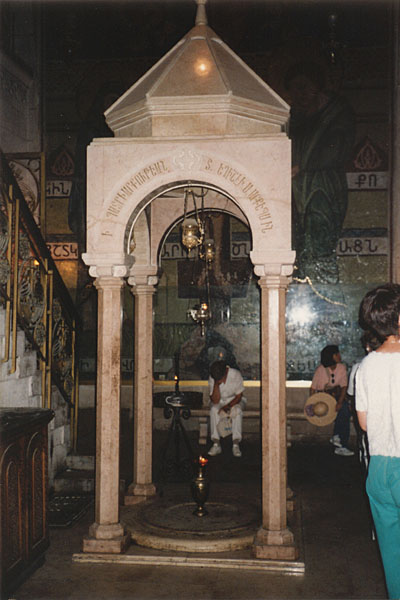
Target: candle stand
176	408
200	487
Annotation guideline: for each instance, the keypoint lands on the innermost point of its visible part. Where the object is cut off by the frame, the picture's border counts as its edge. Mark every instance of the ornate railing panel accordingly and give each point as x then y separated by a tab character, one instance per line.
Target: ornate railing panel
35	299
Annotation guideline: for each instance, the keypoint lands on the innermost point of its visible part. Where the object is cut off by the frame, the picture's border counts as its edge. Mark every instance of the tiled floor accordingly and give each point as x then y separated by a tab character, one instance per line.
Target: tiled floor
341	560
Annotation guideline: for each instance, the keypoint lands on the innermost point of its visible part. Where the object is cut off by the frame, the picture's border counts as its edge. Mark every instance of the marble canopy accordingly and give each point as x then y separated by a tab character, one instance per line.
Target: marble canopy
199	117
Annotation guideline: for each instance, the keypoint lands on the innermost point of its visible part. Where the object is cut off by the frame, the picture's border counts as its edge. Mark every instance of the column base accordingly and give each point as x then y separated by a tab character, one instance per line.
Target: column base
277	545
111	539
139	492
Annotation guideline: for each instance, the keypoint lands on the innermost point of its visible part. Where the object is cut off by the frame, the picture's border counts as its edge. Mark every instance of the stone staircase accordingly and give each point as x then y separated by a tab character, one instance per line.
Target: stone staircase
23	389
78	476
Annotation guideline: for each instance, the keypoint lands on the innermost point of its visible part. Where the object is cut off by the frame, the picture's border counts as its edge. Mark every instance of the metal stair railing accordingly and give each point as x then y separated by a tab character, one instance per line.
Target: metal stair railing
35	299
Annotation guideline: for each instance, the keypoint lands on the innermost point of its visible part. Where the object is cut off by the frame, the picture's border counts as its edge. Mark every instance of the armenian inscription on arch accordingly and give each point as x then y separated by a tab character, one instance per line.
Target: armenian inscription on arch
246	187
151	171
224	170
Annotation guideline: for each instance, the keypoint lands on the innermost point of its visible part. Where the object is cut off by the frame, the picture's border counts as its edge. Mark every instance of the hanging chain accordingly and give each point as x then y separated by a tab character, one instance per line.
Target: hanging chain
187	190
316	292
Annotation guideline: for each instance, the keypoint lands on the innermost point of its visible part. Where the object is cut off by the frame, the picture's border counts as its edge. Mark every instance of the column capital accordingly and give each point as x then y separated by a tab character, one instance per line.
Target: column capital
143	275
274	281
111	264
143	284
108	282
273	262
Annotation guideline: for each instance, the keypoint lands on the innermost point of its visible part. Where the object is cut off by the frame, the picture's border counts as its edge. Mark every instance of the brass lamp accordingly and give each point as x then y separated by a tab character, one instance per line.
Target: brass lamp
208	252
200	488
191	236
192	228
200	314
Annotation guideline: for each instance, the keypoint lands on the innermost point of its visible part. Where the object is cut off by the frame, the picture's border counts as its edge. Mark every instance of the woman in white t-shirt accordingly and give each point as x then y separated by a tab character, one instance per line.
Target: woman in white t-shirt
378	411
369	342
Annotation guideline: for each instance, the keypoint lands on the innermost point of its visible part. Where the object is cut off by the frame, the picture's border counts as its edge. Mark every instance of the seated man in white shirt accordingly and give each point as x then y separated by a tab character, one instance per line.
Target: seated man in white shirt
226	395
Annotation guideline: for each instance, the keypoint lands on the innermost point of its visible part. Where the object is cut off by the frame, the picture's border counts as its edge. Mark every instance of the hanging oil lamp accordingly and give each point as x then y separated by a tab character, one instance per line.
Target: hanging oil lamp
200	314
190	234
208	252
192	227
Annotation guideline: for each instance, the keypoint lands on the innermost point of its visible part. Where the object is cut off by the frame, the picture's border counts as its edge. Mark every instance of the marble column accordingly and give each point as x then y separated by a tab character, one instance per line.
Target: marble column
142	486
107	534
274	540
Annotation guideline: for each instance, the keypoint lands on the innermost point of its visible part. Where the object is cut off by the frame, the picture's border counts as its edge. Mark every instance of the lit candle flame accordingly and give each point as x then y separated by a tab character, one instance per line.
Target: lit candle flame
203	461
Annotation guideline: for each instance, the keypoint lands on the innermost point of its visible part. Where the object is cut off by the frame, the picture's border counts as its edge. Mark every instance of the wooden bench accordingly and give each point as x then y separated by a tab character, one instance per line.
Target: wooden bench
252	393
204	413
203	416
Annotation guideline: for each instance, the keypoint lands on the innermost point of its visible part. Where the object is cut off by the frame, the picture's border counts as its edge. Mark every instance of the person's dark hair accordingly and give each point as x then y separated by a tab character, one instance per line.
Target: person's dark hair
217	369
369	341
380	309
311	70
327	353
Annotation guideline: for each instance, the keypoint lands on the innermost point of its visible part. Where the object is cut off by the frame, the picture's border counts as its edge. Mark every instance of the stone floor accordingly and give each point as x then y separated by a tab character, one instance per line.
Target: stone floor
341	560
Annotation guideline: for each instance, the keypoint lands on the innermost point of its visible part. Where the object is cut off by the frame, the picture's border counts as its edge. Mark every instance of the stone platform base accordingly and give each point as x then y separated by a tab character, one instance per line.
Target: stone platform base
112	546
275	552
165	531
168	522
216	532
243	562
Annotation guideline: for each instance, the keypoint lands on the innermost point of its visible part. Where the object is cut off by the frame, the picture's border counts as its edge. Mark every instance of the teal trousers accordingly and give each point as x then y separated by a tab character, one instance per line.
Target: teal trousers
383	488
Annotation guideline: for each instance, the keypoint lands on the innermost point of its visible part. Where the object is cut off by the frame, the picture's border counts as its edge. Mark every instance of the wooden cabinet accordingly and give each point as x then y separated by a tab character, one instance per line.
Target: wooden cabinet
23	493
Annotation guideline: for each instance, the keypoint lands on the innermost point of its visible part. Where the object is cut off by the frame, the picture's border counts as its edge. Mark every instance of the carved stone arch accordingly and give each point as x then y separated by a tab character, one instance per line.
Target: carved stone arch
139	240
219	203
254	178
177	215
236	214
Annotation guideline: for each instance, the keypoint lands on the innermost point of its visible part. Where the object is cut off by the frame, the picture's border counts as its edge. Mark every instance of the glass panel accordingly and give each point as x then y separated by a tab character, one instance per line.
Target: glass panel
319	315
230	289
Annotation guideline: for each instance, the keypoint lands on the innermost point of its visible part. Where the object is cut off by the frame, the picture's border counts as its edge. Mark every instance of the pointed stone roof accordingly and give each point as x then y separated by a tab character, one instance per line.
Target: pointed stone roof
200	87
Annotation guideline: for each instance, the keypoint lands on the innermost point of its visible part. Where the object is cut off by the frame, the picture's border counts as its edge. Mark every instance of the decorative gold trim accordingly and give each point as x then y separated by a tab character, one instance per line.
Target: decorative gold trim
76	411
42	210
15	286
75	389
300	383
197	383
8	288
45	344
49	338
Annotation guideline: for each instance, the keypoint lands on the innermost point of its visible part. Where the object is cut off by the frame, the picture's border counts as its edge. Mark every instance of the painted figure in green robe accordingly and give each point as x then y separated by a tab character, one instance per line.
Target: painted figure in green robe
322	132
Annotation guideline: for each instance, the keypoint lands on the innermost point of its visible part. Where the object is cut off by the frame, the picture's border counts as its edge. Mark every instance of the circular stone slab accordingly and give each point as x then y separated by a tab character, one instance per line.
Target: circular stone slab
229	525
